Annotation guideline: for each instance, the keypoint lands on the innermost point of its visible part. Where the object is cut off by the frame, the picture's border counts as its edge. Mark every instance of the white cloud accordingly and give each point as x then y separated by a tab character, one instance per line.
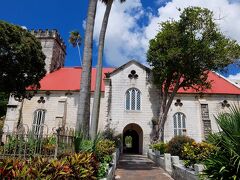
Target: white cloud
234	77
24	27
229	12
123	38
161	2
126	39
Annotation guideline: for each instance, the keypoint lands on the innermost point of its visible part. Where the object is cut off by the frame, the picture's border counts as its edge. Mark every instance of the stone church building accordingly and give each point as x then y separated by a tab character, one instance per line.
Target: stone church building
129	101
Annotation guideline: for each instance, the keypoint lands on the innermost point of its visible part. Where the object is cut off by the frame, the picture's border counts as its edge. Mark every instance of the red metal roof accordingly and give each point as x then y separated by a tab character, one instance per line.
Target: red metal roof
69	79
219	85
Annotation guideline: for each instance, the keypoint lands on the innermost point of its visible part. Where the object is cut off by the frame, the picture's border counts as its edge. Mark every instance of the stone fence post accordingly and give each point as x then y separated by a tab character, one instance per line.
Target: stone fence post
114	160
175	160
167	162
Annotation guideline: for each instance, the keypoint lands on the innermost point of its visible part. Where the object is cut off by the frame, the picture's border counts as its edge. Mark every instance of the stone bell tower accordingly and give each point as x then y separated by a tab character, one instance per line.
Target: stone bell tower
53	47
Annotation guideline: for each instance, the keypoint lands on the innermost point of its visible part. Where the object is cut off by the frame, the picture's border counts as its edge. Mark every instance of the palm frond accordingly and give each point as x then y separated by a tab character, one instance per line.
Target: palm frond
75	38
226	162
107	1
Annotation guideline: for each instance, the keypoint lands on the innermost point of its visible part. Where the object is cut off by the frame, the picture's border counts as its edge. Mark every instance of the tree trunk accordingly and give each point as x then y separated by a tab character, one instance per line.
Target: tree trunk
83	113
79	54
97	93
165	106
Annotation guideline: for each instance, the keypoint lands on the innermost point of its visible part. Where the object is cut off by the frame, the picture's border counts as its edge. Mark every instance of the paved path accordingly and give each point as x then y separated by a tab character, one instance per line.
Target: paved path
138	167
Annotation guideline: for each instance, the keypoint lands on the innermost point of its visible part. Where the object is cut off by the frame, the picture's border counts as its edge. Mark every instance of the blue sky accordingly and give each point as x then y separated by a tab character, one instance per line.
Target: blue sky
62	15
131	24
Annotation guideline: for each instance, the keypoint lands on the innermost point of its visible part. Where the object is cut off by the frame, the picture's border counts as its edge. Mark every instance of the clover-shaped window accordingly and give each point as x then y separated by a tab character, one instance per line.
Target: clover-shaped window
133	75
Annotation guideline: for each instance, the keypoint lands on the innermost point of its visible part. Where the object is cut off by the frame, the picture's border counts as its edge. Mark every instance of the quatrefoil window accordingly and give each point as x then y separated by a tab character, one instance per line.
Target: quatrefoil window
133	75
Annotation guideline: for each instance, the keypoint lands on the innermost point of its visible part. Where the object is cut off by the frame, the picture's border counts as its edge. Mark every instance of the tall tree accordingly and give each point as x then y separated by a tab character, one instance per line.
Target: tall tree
182	54
76	40
21	61
97	93
83	114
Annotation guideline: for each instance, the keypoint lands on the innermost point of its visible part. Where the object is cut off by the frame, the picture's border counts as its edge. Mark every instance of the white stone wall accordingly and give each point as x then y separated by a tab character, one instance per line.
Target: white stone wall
192	110
59	108
63	108
150	107
149	102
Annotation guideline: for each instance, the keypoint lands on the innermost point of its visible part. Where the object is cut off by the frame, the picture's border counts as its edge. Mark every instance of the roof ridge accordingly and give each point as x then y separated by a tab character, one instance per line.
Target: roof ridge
129	62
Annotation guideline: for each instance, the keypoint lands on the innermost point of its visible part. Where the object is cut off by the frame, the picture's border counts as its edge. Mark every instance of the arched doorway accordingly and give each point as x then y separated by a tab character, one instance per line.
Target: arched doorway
132	139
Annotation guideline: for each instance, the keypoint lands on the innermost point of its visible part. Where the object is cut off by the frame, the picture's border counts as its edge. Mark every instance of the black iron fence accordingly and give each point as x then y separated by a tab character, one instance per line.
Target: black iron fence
25	143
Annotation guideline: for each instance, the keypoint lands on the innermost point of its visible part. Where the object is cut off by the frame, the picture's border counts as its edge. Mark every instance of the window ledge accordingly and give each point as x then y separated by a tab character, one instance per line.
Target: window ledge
133	111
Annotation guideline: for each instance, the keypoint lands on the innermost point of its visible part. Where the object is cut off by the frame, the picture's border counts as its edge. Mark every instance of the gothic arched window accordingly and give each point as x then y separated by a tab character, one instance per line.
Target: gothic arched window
179	123
133	99
38	122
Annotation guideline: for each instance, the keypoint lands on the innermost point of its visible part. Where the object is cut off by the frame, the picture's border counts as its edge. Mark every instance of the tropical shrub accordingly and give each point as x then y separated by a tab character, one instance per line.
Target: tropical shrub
225	163
11	169
104	150
49	144
82	166
91	162
10	145
196	152
175	145
110	133
87	145
39	167
102	170
30	145
56	169
161	146
84	144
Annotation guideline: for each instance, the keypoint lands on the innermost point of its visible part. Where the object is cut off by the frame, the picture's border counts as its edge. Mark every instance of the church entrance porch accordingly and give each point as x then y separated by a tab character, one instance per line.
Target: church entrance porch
132	139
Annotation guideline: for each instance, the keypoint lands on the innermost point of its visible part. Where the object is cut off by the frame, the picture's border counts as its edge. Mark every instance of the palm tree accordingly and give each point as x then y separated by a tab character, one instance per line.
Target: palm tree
83	113
76	40
97	93
225	163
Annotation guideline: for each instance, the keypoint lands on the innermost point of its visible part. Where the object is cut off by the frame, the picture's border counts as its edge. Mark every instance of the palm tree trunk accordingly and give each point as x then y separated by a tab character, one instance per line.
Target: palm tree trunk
79	54
97	93
83	113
